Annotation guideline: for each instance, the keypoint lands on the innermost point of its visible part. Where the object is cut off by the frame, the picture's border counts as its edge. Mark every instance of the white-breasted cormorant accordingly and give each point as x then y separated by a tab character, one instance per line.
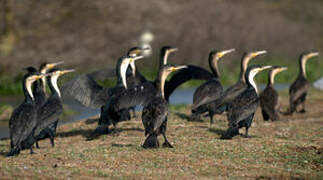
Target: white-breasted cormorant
269	97
24	118
242	109
211	89
298	90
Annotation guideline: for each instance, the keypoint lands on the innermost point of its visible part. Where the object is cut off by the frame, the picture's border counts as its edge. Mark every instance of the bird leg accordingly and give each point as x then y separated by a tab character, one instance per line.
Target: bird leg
211	118
31	150
303	108
246	135
166	143
51	138
37	145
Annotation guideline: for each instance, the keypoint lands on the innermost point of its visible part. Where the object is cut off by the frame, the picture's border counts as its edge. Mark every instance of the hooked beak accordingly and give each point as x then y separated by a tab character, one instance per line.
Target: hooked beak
222	53
313	54
178	68
132	59
283	69
51	65
265	67
36	77
67	71
254	54
173	50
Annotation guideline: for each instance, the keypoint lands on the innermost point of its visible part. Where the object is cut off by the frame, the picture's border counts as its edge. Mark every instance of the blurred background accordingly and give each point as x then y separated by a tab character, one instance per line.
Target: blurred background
91	35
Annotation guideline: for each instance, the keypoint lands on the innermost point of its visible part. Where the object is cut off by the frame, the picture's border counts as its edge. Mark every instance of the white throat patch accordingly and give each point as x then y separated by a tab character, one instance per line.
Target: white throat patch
53	80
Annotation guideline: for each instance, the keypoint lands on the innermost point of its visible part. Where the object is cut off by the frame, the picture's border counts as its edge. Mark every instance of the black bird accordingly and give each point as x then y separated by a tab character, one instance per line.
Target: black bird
48	114
298	90
154	114
39	91
122	66
242	109
24	118
211	89
220	105
269	97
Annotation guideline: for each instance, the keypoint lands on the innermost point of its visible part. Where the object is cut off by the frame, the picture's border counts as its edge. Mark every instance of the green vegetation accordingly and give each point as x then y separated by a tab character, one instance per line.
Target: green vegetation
287	149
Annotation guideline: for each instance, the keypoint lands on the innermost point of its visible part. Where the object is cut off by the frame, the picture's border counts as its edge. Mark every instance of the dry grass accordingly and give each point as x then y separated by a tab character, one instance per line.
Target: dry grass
287	149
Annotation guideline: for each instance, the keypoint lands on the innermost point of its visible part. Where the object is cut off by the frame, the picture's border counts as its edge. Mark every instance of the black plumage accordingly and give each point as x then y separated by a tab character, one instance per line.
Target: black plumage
220	105
39	91
298	90
269	97
242	109
211	89
24	118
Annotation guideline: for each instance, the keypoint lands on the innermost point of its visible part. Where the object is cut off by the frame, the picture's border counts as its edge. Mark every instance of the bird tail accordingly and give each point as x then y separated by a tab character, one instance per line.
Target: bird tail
230	133
151	142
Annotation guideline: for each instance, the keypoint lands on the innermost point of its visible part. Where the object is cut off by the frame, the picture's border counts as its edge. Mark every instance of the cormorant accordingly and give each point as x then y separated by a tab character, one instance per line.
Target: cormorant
39	91
154	114
242	109
48	114
298	90
211	88
269	97
89	93
220	105
24	118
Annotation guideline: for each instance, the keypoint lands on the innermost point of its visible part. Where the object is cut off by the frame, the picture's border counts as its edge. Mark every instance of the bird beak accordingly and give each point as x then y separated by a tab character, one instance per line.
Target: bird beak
283	69
222	53
178	68
135	58
51	65
312	55
265	67
173	50
254	54
36	77
67	71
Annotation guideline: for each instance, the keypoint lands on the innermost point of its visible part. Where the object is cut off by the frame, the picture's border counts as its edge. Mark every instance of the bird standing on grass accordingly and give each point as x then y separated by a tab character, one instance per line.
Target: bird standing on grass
242	109
24	118
211	89
154	114
298	90
269	97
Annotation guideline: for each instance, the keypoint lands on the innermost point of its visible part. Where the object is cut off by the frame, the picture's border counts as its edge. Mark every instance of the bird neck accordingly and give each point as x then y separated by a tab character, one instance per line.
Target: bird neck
163	57
213	63
250	81
121	74
160	83
302	65
244	64
26	87
53	86
271	78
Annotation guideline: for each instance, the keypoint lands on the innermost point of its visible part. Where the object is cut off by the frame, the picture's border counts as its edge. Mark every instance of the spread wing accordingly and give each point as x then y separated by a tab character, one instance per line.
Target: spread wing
184	75
85	90
138	95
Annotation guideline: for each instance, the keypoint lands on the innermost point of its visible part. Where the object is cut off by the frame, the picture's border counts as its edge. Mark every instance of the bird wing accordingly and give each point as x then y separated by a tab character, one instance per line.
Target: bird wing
184	75
138	95
85	90
243	106
269	100
48	114
298	88
207	92
154	114
22	123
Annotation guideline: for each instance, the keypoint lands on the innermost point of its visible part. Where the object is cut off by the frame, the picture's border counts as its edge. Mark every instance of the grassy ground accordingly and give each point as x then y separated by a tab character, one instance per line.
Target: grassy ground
288	149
